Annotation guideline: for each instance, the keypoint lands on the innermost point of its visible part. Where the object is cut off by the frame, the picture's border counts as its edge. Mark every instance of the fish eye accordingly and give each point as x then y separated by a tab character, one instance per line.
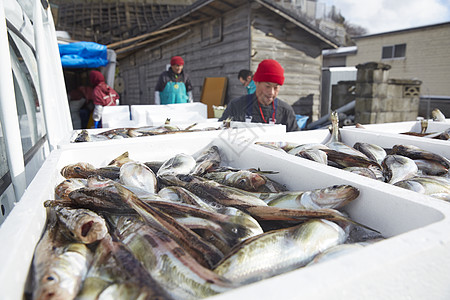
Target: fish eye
243	181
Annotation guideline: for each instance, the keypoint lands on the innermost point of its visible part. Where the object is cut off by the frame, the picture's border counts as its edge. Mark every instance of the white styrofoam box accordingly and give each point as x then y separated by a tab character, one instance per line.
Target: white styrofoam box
350	136
408	126
117	123
386	140
115	116
237	131
412	263
178	113
175	117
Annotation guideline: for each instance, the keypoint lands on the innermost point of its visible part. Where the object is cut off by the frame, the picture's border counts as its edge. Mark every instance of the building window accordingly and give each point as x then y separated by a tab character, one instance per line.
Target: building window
212	32
395	51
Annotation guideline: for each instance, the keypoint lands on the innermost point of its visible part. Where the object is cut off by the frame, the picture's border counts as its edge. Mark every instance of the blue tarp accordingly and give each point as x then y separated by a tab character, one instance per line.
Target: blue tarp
83	55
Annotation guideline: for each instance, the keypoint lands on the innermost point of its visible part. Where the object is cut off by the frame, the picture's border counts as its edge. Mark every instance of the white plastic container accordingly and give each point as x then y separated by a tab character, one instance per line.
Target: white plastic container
182	113
350	136
412	263
116	116
237	131
408	126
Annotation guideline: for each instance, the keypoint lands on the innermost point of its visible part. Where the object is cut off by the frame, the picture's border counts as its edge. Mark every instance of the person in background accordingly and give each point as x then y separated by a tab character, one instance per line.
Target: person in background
246	78
88	107
174	85
263	106
103	95
76	102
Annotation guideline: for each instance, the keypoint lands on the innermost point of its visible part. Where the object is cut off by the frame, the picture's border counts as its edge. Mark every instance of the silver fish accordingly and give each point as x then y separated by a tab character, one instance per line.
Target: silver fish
120	160
336	251
177	272
84	226
286	146
208	159
316	155
330	197
138	175
437	115
63	189
85	170
279	251
179	164
116	271
343	160
334	142
248	202
215	192
180	194
83	136
242	179
102	273
304	147
200	249
431	167
363	171
415	152
398	167
442	135
372	151
59	266
428	185
231	228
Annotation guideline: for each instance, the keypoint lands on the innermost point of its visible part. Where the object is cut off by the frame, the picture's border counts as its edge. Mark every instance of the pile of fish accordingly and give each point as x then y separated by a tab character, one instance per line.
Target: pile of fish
122	133
406	166
184	228
440	135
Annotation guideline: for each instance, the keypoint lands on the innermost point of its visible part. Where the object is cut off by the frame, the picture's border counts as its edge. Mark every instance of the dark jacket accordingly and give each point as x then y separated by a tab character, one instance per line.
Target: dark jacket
247	104
169	75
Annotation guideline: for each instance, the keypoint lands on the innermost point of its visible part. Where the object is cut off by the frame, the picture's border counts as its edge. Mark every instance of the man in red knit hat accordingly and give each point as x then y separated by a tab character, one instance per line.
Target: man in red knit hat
263	106
174	86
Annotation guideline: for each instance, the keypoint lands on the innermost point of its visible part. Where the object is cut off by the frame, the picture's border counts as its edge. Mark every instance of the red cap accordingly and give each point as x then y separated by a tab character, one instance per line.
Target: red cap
269	70
177	60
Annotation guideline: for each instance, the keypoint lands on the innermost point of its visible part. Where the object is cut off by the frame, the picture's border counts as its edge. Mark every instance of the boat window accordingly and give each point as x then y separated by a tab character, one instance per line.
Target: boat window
26	86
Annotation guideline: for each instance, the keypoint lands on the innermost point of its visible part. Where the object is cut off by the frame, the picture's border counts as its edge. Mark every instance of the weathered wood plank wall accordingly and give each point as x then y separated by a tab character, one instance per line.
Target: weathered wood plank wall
222	59
242	46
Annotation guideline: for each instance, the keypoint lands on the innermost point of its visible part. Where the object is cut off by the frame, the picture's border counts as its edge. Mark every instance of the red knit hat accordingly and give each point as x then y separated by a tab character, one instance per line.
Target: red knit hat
269	70
177	60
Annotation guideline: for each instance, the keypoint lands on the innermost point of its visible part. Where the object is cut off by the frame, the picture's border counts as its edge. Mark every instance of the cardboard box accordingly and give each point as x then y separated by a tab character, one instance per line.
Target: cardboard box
412	263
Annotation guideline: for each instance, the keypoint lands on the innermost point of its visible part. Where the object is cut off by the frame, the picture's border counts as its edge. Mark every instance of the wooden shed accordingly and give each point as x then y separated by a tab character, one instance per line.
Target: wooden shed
217	38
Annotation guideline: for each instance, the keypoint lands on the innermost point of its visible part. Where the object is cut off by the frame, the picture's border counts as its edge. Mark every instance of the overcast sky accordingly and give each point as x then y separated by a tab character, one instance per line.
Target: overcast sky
388	15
